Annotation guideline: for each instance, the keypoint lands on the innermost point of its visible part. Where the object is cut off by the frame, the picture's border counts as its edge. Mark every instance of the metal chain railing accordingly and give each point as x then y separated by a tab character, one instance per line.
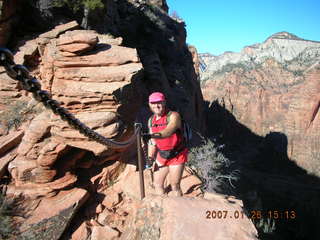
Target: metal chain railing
31	84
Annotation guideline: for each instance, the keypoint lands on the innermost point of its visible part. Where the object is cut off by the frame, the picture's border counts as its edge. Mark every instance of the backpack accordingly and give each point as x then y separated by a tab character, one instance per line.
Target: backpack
186	130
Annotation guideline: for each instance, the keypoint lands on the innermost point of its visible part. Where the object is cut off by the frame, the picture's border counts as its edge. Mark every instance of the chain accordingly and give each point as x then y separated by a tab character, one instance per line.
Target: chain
31	84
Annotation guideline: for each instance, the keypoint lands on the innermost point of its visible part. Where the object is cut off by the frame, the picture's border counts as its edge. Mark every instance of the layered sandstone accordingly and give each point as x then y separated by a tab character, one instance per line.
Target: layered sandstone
87	82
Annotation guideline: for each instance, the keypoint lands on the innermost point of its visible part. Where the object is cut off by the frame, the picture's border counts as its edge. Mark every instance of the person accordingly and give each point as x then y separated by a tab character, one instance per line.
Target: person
166	145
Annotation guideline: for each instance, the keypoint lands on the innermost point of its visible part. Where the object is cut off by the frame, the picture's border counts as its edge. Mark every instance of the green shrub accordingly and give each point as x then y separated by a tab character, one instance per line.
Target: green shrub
6	224
213	167
76	5
16	113
12	209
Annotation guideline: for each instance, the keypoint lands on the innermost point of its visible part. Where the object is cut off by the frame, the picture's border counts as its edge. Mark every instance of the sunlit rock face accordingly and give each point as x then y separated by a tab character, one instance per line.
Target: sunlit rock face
272	87
95	79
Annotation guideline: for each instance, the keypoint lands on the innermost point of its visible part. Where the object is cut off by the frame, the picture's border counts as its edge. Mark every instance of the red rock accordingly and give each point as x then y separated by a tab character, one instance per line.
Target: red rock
99	209
10	141
66	181
104	232
114	56
99	74
23	168
111	199
43	174
195	58
191	184
287	110
4	161
26	185
53	215
129	183
108	176
49	153
78	36
186	218
81	233
68	54
37	129
105	38
60	29
75	47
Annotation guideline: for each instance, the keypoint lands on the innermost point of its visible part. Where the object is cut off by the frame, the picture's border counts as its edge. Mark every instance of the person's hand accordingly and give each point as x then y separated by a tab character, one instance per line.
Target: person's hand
146	136
149	162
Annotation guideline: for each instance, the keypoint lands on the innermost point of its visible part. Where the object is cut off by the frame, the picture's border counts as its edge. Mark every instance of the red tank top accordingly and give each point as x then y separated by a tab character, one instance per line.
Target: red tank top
170	142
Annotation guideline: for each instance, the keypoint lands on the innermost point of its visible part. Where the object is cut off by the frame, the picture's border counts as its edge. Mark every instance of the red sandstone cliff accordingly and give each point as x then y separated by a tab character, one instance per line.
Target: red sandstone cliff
272	87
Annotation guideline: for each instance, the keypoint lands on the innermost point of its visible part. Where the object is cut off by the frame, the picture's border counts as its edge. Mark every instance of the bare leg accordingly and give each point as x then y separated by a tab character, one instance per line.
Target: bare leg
159	177
175	178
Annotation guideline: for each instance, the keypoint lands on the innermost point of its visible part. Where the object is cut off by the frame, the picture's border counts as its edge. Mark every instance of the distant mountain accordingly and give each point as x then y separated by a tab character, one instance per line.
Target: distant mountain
272	86
283	47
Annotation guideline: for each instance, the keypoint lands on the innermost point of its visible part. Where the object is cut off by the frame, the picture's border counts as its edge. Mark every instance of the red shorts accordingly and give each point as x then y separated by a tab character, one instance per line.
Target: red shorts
179	159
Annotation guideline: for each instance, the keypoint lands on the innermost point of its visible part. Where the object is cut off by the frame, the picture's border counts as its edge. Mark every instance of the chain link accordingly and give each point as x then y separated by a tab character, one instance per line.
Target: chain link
20	73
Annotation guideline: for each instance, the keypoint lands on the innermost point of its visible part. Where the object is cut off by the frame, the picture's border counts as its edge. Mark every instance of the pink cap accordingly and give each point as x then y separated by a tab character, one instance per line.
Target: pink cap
156	97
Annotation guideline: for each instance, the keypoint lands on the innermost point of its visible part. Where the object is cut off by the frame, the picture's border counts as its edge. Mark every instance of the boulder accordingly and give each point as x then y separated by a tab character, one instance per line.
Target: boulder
53	215
189	218
10	141
129	183
104	232
81	233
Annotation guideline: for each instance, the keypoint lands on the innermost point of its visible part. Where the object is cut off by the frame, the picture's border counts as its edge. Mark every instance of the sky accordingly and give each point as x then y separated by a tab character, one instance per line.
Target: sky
216	26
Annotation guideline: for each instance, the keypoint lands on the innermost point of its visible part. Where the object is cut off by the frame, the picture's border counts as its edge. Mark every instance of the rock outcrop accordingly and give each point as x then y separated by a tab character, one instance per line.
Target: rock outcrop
144	25
272	87
189	218
88	79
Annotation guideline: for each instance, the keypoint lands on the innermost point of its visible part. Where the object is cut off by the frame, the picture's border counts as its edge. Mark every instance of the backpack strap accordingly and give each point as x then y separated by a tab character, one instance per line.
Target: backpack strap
168	116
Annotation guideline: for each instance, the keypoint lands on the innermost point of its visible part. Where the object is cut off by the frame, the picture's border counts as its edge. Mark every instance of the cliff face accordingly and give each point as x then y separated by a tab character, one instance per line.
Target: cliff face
272	87
144	25
103	78
7	16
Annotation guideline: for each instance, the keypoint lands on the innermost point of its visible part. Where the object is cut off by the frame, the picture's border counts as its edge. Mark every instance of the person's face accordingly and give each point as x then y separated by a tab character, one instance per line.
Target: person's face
158	108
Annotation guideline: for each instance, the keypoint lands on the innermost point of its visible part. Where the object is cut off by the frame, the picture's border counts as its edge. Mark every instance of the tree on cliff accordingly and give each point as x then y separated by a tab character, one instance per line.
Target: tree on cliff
76	5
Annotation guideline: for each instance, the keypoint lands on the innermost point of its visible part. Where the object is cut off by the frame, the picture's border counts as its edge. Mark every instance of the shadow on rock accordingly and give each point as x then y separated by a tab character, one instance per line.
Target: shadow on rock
279	196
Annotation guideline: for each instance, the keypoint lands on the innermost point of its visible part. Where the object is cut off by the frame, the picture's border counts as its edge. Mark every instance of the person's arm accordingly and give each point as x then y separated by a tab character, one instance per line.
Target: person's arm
173	125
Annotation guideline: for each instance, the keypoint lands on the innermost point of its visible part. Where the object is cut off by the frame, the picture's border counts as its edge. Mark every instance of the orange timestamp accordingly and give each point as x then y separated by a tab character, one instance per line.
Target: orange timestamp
253	214
274	214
